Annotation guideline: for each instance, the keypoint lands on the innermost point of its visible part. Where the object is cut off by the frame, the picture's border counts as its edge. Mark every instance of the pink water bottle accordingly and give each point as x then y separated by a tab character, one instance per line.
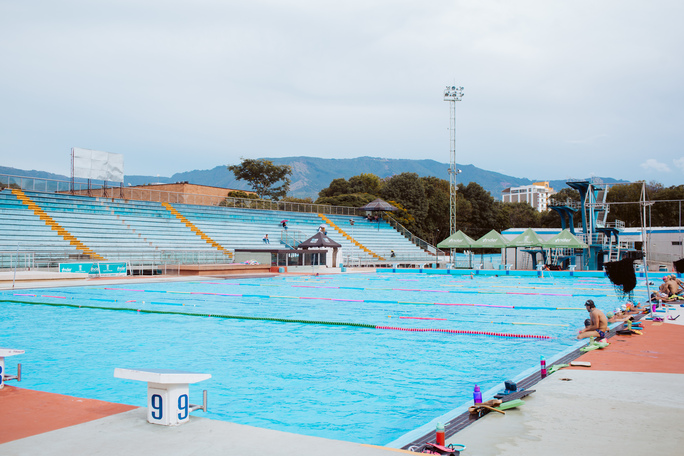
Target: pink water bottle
477	395
543	367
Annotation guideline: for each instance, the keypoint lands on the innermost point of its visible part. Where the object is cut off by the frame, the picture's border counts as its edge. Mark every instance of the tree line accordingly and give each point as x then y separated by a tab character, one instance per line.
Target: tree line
423	202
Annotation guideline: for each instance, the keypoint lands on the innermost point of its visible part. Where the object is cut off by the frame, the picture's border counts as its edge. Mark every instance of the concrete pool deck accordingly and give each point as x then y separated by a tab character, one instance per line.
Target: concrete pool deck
628	402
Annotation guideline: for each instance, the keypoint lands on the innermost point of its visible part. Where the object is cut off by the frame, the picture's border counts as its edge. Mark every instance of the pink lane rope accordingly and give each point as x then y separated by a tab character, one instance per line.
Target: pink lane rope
474	305
458	331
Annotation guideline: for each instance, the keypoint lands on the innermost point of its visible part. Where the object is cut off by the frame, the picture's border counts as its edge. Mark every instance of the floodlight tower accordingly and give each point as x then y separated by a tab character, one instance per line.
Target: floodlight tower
452	94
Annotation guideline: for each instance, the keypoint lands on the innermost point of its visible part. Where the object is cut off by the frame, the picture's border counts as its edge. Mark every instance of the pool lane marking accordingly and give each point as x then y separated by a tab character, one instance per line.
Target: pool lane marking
481	321
377	301
409	289
286	320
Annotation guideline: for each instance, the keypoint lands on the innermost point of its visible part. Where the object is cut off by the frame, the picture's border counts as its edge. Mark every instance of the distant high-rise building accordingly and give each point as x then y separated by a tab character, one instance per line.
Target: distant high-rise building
536	195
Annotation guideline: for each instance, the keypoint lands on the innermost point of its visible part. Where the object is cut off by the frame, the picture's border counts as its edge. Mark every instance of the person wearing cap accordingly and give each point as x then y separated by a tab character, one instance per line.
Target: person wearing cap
598	326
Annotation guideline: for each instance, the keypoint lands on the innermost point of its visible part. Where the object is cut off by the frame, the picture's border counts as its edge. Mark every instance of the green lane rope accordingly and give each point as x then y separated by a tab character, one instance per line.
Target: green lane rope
190	314
282	320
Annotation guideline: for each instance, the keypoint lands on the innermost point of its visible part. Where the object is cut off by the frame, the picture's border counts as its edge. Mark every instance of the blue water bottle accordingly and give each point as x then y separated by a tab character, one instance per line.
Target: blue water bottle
477	395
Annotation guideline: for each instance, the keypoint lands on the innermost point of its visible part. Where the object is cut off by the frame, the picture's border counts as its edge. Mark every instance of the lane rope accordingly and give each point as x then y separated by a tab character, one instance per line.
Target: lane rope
284	320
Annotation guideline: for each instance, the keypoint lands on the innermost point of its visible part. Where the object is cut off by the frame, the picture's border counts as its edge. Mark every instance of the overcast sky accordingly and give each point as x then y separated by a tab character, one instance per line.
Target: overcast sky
553	89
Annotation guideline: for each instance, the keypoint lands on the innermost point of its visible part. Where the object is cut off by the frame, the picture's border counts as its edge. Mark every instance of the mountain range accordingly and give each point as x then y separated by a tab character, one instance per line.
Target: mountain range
310	174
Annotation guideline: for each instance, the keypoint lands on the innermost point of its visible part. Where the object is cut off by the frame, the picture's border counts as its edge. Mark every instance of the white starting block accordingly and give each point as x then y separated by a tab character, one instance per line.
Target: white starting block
5	352
168	403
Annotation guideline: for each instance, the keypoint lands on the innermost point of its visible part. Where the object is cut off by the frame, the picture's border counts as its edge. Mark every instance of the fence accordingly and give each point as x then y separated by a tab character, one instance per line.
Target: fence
27	260
100	189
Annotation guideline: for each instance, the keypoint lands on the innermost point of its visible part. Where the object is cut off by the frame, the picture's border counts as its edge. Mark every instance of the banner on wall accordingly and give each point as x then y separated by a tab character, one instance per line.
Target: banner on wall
96	268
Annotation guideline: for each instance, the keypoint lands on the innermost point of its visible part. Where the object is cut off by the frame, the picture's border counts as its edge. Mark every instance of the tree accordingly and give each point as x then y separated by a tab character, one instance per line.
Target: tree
262	176
348	199
402	216
566	194
365	183
628	213
518	215
337	187
408	190
667	210
483	216
435	226
550	219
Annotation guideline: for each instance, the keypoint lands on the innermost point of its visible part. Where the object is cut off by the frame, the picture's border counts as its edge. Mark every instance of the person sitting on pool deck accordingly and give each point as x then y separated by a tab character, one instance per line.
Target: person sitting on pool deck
676	285
599	323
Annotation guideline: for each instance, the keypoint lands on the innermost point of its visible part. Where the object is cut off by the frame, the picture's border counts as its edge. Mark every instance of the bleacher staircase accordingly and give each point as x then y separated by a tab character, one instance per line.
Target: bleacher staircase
197	231
347	236
50	222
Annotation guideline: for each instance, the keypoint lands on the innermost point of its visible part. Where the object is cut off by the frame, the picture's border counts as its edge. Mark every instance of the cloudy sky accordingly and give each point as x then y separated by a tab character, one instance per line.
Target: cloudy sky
553	89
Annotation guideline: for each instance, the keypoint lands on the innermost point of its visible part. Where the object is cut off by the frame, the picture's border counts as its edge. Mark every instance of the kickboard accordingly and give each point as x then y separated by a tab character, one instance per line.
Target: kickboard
580	363
511	404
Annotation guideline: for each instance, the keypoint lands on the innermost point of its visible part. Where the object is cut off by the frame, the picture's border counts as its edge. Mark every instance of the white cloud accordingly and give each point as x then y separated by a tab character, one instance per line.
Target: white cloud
204	82
679	163
654	165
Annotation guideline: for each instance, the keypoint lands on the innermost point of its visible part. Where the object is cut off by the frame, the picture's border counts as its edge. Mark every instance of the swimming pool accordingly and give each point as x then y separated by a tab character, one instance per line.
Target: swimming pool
363	358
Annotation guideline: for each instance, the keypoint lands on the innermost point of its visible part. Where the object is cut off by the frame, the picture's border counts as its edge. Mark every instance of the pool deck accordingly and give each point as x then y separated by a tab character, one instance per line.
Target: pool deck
629	402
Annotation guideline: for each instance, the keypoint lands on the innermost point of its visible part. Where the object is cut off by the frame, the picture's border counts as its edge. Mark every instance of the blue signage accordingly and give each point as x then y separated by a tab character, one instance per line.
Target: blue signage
96	268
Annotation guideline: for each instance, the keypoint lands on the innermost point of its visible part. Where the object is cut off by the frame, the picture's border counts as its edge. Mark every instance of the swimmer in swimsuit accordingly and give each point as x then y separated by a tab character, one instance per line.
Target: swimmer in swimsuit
598	326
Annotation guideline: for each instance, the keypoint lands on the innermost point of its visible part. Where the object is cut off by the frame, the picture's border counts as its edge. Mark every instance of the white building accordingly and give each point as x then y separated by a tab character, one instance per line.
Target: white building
536	195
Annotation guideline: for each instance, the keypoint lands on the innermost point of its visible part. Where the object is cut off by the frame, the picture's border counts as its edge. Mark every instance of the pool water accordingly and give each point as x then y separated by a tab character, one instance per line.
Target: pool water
339	381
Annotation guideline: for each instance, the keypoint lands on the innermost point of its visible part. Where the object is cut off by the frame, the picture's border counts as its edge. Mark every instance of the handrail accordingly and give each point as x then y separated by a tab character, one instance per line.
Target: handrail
423	244
291	238
135	258
568	202
36	184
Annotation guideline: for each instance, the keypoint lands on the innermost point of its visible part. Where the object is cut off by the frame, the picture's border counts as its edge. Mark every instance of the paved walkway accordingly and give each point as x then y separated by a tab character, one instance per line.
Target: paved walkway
629	402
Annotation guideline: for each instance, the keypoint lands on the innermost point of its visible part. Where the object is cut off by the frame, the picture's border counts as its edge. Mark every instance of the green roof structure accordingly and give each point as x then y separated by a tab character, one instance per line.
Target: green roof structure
458	240
491	240
527	238
564	240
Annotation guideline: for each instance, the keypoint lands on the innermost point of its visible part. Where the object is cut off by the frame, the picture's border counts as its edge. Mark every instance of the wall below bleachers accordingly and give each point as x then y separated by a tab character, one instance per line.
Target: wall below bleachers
222	269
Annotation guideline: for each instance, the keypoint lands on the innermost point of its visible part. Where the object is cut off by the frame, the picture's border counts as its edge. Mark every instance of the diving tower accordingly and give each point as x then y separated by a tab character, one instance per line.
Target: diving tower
603	238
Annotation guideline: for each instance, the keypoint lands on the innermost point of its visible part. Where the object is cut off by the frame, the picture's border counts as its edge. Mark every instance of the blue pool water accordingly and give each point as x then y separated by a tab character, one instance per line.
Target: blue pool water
343	382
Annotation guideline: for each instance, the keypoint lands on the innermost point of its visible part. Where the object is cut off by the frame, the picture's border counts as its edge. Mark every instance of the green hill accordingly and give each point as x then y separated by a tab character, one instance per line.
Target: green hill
311	174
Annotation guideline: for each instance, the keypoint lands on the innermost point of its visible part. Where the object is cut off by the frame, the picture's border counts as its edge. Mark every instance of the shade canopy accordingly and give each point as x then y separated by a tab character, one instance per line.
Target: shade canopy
378	205
458	240
319	240
527	238
491	240
564	240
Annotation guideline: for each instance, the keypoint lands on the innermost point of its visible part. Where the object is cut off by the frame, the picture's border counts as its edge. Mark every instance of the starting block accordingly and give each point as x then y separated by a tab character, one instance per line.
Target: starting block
168	402
5	352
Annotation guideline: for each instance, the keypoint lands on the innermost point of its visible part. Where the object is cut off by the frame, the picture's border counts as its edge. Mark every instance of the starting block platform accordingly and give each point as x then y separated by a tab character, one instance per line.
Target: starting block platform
4	353
168	402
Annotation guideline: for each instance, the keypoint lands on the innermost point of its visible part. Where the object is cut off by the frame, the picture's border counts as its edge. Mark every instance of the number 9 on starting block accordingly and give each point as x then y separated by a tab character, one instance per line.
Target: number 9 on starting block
168	402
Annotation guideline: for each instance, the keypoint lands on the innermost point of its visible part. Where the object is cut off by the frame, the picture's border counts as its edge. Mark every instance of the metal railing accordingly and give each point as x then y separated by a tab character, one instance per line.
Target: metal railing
568	202
291	238
27	259
17	259
422	244
99	189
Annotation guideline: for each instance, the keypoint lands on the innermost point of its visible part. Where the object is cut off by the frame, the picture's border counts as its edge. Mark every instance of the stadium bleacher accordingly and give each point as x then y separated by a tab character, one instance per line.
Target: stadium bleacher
72	227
